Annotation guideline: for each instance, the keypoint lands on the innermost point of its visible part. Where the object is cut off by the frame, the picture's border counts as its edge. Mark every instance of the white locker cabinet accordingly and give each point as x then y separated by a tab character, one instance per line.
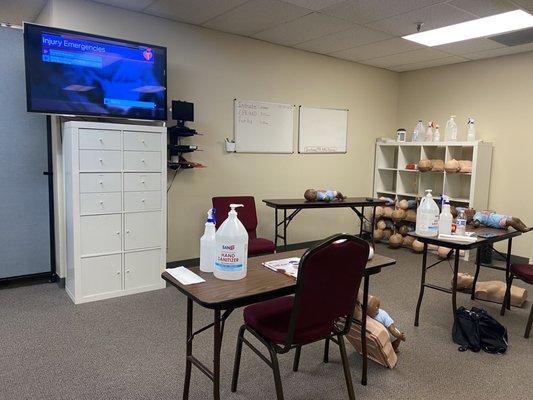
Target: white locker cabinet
115	207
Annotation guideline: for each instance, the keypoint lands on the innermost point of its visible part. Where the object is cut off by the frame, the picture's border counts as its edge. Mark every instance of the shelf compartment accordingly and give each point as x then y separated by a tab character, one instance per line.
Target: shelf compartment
433	152
386	181
387	156
408	154
457	186
407	183
459	153
433	181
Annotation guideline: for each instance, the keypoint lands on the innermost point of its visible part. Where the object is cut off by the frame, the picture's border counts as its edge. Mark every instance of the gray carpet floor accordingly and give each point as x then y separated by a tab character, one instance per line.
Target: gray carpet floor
133	348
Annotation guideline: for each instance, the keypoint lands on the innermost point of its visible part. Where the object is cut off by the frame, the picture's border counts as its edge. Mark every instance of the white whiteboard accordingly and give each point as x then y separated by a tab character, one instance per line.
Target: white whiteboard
262	127
322	130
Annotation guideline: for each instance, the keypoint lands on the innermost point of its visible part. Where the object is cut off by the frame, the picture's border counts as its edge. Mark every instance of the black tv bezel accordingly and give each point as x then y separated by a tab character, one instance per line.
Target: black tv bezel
101	115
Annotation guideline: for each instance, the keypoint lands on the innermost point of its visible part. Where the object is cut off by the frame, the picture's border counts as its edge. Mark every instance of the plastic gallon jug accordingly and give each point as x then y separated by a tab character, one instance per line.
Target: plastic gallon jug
446	218
207	243
450	133
231	250
427	216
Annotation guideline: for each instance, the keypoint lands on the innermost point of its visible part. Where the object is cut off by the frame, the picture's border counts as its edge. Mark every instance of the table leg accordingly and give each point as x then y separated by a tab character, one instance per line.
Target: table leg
454	282
422	282
217	344
285	229
478	266
276	227
363	330
188	363
508	270
373	224
362	221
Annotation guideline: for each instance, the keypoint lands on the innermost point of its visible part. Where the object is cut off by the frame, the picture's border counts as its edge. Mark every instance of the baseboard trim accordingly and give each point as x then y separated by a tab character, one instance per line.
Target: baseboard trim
26	280
193	262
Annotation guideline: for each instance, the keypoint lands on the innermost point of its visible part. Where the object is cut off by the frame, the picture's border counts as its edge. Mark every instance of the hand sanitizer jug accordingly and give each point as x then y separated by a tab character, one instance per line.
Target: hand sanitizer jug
207	244
231	251
427	216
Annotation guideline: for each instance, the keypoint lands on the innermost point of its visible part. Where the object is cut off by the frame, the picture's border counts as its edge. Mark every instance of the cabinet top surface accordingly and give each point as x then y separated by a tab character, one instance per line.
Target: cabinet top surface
114	126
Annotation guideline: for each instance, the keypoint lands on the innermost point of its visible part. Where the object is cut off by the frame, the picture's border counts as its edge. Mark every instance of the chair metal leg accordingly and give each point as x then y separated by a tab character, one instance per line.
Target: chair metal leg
188	363
346	367
296	359
277	376
507	296
326	351
237	364
529	321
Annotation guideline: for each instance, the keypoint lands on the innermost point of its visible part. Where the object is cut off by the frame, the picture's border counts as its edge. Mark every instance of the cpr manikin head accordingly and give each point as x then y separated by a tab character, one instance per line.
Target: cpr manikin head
310	195
373	306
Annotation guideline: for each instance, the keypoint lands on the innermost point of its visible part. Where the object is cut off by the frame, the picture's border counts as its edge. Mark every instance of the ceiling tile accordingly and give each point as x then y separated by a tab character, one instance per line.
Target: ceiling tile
409	57
378	49
430	64
128	4
364	11
302	29
468	46
15	11
314	5
255	16
502	51
353	37
484	8
191	11
433	17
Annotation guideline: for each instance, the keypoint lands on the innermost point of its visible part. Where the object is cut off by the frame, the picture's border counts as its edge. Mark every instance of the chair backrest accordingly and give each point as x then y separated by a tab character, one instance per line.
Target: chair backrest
328	281
247	214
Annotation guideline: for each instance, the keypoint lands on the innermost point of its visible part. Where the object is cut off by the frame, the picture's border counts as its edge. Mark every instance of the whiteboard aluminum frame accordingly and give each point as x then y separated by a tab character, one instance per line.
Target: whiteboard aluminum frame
322	152
262	152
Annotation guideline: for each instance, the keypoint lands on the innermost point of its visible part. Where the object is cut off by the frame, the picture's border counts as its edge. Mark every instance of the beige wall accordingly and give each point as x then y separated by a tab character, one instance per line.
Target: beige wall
498	93
210	69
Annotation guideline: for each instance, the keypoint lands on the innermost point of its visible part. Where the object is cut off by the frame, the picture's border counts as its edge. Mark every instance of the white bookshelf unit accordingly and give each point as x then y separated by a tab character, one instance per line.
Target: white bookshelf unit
392	179
115	180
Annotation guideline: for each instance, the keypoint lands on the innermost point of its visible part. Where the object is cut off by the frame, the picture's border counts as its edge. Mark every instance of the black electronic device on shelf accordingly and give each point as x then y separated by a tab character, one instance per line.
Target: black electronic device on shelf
182	112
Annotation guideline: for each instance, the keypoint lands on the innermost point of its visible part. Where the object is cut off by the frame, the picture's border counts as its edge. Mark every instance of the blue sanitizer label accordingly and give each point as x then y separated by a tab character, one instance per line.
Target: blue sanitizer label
230	258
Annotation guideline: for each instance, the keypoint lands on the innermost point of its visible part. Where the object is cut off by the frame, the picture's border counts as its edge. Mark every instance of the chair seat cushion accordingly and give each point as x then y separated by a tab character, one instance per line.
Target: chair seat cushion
523	271
271	320
258	246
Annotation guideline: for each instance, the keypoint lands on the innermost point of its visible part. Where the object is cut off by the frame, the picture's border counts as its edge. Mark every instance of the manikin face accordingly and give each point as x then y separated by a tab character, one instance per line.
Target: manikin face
310	195
373	306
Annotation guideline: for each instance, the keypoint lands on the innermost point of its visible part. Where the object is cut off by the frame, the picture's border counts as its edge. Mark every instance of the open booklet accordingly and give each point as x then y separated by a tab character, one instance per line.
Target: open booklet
287	266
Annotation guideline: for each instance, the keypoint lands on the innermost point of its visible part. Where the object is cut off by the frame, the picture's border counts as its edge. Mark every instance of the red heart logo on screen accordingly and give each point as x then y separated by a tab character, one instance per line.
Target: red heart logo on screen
148	55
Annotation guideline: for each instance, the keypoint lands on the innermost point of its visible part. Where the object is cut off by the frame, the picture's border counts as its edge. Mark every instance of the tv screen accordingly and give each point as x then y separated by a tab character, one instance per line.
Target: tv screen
77	73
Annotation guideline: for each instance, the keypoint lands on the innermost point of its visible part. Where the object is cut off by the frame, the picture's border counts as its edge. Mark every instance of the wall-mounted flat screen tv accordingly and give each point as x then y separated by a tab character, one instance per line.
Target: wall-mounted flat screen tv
78	73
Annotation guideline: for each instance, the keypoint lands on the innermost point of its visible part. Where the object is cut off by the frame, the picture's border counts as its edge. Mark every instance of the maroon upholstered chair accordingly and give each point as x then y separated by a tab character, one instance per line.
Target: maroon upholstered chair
248	217
525	273
328	282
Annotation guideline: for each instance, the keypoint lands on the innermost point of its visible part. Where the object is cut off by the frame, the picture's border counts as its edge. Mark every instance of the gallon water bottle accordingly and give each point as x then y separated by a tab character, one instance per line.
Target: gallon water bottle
429	132
450	132
418	132
231	250
446	218
207	243
427	216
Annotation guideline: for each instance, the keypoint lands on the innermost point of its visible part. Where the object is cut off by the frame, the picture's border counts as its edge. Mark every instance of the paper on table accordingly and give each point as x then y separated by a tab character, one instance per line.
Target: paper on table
184	275
287	266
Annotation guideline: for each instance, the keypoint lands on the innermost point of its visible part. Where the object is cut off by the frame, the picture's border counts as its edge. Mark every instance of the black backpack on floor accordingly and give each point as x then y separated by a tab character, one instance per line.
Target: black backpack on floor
475	329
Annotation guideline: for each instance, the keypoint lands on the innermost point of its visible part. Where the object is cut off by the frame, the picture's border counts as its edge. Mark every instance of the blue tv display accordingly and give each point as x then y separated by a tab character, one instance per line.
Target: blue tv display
77	73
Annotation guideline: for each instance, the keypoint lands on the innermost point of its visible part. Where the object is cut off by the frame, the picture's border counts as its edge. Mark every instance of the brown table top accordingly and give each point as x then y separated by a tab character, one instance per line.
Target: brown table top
302	203
259	284
498	235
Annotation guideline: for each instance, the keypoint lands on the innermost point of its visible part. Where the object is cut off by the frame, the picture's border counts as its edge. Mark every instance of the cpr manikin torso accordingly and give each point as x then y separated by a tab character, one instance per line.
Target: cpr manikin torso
492	290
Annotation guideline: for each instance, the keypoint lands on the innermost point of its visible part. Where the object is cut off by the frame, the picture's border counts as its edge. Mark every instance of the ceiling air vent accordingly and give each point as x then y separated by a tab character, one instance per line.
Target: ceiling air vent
524	36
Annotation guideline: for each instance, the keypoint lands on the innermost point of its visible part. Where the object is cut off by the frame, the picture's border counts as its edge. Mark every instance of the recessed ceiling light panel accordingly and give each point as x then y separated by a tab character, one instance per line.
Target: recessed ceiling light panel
482	27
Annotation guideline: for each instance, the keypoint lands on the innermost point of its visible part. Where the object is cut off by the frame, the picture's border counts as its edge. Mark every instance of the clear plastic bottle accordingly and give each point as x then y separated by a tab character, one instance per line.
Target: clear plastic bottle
231	252
208	243
418	132
450	132
427	216
471	135
429	132
460	222
445	218
436	135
